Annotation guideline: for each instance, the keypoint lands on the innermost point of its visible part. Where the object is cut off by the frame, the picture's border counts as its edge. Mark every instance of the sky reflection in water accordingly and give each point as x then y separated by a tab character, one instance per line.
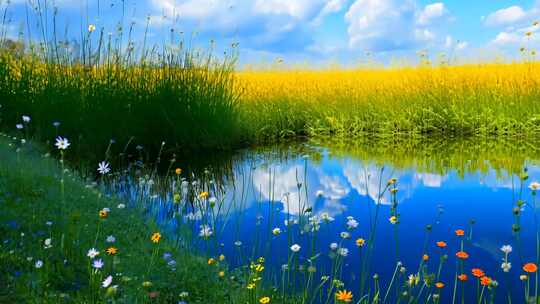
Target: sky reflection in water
343	186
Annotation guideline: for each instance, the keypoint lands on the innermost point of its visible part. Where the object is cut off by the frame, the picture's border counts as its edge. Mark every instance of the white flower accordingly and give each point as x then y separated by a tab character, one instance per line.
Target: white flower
345	235
206	231
110	239
276	231
97	264
333	246
62	143
106	210
295	248
47	243
103	168
534	186
56	124
506	249
39	264
505	266
319	193
238	243
352	224
121	206
343	252
107	282
26	118
92	253
184	294
19	126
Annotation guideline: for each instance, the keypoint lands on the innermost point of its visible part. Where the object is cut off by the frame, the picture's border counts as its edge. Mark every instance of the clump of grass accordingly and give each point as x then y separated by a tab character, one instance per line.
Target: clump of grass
187	107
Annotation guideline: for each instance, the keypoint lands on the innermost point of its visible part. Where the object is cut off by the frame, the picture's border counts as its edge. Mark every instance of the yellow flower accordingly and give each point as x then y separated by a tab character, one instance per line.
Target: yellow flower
344	295
260	260
156	237
393	219
259	268
147	284
111	250
91	28
250	286
211	261
221	274
222	258
360	242
264	300
178	171
177	198
103	213
203	195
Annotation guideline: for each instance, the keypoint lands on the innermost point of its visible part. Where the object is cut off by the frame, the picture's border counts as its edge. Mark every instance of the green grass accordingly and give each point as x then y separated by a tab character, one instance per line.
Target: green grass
186	107
32	195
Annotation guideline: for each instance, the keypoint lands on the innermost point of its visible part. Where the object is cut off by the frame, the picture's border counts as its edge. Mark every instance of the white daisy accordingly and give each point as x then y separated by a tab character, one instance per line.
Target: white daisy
103	168
92	253
62	143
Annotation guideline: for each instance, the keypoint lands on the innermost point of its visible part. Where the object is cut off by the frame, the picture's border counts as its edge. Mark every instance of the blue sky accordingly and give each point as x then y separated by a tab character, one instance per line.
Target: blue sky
313	31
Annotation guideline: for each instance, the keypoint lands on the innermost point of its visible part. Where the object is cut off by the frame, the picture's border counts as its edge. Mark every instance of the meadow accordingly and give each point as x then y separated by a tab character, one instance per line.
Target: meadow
147	104
101	202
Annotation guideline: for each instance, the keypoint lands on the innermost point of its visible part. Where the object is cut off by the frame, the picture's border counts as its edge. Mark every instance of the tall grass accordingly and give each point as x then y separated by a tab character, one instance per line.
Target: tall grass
111	86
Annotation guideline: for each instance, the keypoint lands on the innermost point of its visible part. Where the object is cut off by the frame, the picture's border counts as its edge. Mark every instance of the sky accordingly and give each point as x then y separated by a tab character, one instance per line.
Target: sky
347	32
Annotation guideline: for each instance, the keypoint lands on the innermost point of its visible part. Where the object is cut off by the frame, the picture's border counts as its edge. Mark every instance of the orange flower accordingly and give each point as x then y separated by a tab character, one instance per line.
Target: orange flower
439	285
178	171
462	277
477	272
111	250
485	281
462	255
441	244
425	257
460	232
530	267
344	295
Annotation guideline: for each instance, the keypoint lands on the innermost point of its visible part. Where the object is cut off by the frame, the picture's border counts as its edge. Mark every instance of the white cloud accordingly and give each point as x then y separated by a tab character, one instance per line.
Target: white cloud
271	25
381	25
515	38
431	12
331	7
506	16
384	25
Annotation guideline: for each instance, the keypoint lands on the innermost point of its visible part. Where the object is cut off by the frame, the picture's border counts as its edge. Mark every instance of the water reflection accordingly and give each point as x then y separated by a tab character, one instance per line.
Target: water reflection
313	194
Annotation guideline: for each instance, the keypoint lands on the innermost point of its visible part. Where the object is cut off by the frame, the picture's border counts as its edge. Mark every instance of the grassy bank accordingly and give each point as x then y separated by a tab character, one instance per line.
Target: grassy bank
48	227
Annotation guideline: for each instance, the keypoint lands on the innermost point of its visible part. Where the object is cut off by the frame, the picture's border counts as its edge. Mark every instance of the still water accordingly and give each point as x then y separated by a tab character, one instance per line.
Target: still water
334	201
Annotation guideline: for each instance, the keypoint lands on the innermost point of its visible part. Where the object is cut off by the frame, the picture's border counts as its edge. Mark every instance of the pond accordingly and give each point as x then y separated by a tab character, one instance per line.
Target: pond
390	220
